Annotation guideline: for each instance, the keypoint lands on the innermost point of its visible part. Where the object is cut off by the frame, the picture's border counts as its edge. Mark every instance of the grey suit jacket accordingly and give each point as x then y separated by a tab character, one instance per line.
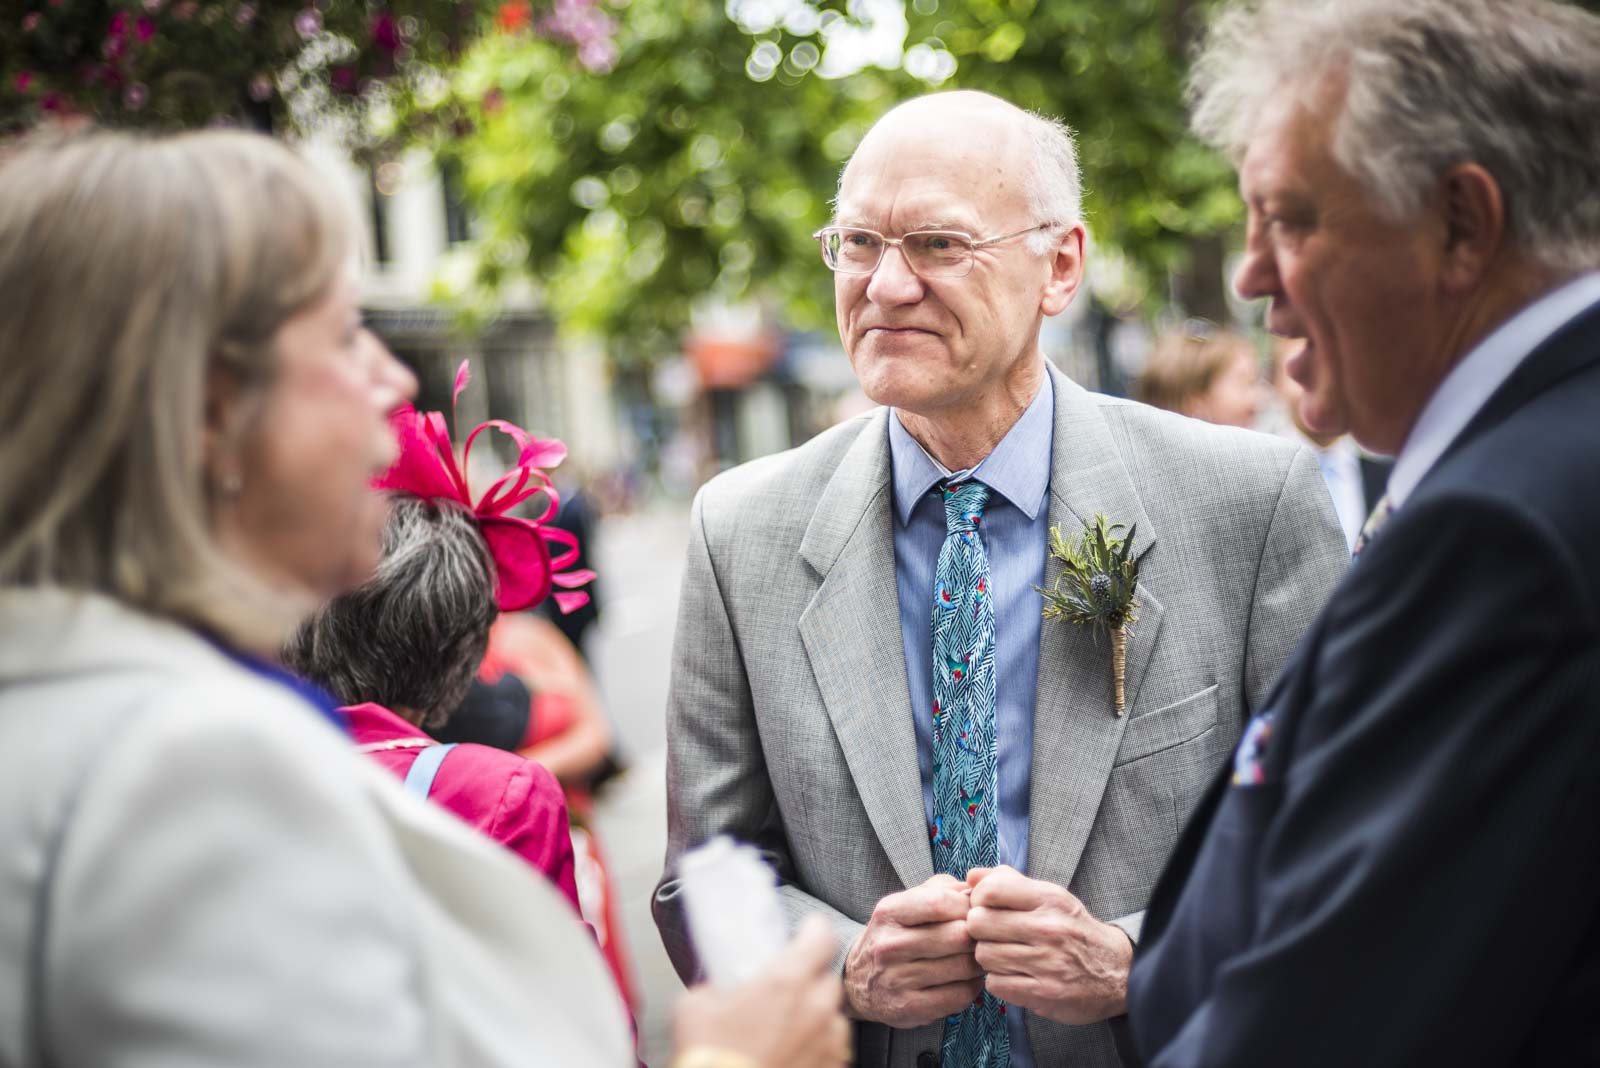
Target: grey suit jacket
789	723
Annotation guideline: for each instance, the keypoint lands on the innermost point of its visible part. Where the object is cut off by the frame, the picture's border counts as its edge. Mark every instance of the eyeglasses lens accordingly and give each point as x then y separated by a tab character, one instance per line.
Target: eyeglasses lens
931	253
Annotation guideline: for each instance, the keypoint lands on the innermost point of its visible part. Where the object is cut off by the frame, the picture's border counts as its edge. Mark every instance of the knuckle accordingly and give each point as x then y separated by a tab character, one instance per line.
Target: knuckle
886	949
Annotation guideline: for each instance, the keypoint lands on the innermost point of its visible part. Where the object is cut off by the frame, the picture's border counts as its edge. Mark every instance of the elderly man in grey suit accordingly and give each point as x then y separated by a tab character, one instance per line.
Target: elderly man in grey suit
818	707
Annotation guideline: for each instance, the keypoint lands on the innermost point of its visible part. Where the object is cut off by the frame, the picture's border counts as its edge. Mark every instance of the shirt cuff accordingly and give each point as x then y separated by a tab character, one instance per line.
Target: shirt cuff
1131	925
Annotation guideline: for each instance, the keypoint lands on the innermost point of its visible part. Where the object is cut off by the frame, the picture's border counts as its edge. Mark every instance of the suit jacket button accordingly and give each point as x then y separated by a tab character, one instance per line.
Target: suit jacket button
927	1060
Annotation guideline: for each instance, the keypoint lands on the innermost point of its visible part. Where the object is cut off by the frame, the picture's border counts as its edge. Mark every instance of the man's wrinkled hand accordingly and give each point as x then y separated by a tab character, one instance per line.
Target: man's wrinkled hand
1042	951
914	964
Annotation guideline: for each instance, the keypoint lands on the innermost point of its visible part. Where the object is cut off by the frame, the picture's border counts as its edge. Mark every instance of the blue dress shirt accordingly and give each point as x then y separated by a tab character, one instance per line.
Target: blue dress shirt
1016	538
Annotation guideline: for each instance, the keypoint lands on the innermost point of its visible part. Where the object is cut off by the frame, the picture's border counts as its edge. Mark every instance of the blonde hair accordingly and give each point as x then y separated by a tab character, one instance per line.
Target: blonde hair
137	268
1185	362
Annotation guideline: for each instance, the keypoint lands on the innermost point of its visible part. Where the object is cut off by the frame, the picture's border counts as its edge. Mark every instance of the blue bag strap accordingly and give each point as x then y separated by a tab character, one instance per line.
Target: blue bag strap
419	780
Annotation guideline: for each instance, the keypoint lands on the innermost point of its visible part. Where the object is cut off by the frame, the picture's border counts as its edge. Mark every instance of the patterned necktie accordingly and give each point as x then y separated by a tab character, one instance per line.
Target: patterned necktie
1369	530
965	828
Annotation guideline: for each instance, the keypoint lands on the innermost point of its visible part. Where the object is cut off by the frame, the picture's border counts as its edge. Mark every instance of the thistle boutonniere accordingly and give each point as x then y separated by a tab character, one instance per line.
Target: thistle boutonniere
1095	588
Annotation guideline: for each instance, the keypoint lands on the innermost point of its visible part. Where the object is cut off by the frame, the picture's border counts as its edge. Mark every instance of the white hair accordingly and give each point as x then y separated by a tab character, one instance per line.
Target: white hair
1512	85
1055	187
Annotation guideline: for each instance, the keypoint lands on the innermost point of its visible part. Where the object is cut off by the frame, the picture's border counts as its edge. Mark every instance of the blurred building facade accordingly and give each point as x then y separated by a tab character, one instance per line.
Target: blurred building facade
417	229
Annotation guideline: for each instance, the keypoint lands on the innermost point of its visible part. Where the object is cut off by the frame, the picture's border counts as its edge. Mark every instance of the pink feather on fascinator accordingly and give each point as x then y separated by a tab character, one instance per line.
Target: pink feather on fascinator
526	565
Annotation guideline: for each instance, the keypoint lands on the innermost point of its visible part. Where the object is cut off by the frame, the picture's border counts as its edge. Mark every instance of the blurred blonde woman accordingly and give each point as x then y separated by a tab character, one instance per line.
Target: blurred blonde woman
1203	371
195	867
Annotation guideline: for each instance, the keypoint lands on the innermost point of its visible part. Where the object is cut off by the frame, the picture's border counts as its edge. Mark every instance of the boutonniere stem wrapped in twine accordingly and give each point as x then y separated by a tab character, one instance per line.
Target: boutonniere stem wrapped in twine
1099	575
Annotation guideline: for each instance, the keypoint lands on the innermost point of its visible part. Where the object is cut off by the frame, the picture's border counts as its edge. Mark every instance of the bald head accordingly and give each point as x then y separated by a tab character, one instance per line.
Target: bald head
1011	155
957	116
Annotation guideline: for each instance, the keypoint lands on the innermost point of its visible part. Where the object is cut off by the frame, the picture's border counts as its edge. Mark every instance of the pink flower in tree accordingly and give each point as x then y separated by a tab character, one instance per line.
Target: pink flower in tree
598	55
585	26
386	33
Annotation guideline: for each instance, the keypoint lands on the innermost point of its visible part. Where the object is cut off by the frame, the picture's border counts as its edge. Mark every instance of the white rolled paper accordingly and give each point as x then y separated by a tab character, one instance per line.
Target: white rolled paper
730	896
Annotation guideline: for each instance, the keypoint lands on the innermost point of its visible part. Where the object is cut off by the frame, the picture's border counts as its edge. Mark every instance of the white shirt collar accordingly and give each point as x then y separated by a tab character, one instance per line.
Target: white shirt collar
1340	462
1470	384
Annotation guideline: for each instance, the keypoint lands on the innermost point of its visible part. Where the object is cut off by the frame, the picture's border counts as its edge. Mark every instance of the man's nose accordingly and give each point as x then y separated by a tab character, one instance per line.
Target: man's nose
893	281
1257	275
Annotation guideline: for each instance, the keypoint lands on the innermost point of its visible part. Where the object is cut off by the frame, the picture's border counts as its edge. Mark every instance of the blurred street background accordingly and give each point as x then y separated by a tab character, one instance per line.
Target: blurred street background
641	555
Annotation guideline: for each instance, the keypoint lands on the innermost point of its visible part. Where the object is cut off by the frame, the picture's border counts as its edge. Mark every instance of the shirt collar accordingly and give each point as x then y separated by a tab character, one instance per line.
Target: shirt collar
369	722
1470	384
1018	469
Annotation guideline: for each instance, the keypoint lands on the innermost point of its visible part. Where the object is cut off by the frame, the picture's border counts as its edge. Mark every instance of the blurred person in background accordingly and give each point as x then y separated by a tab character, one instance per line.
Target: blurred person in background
575	515
197	867
1355	478
457	579
566	730
400	652
1204	372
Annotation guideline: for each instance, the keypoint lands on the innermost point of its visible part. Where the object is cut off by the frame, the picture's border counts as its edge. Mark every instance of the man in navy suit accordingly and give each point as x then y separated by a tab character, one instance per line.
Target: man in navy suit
1402	865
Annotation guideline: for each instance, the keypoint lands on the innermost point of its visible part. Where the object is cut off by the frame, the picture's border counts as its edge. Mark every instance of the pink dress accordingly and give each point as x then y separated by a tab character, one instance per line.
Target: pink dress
509	798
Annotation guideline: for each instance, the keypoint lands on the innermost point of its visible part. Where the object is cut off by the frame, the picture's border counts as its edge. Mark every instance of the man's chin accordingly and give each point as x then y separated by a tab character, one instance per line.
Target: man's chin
892	379
1322	423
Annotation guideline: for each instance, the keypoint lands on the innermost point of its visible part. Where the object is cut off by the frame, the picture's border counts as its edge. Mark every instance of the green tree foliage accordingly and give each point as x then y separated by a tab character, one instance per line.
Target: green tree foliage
679	174
1115	73
675	176
178	63
700	164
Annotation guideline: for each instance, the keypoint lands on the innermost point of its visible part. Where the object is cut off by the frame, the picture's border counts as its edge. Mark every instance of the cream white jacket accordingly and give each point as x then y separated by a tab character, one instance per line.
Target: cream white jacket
196	869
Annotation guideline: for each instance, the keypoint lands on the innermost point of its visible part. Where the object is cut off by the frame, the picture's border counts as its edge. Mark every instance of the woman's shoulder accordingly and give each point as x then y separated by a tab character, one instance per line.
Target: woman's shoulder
503	794
497	776
88	670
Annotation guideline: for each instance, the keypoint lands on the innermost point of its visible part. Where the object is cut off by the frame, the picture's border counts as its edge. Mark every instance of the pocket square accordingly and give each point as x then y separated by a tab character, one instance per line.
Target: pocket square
1251	754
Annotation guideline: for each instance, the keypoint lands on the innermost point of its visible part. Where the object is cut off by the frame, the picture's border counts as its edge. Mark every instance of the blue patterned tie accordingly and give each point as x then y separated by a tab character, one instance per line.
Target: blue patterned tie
965	829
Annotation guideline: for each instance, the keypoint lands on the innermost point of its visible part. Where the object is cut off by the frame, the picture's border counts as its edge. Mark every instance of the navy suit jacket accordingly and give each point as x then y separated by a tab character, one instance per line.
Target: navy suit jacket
1416	878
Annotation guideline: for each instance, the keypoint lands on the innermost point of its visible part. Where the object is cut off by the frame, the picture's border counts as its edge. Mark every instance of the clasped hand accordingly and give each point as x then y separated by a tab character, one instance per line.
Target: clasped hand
927	952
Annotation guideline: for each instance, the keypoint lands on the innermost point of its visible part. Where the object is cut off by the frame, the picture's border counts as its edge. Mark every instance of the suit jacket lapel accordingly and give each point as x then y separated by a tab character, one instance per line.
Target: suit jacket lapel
851	632
1076	732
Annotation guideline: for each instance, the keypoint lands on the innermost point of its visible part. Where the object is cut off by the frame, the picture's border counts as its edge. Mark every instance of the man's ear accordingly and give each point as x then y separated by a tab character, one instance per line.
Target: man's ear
1474	216
1066	272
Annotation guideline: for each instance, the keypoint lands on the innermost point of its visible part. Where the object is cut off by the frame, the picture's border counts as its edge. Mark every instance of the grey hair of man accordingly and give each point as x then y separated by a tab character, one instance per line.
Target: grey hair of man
1511	85
412	638
1054	184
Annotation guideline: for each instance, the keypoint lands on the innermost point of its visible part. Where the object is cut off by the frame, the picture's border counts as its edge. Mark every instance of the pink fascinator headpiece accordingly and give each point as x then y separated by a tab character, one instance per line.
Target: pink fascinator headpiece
530	557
